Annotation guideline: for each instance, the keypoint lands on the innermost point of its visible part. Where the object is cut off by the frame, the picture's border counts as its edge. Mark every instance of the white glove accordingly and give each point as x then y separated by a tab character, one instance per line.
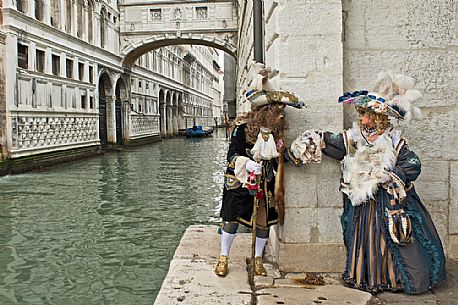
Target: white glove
385	178
252	166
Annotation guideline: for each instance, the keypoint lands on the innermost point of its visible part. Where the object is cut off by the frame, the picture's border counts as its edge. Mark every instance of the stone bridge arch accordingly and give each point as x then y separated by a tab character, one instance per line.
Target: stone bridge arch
134	50
145	26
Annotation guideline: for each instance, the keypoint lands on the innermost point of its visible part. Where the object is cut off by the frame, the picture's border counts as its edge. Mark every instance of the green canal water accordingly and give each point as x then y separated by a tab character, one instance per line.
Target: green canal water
103	230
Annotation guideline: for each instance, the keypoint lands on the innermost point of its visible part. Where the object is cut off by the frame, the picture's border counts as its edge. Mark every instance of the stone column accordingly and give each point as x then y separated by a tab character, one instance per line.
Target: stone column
85	22
62	56
62	17
96	109
47	12
95	28
31	8
126	121
180	118
86	71
32	52
75	68
163	114
309	55
74	17
32	66
10	89
169	121
175	120
111	119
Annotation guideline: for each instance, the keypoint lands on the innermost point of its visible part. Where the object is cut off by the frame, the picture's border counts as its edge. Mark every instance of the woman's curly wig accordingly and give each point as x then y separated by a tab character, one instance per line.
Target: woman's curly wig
271	116
382	121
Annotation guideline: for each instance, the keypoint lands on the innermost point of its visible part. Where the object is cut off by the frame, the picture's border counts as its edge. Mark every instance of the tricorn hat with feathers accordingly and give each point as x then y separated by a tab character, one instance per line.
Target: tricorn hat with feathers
264	89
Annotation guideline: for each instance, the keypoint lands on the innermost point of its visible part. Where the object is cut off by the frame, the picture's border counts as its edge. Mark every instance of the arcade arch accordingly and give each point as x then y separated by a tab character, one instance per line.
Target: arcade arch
121	110
105	91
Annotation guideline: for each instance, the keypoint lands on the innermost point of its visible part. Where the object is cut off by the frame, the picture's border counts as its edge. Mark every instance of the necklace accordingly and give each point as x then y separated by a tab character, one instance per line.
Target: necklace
369	130
368	133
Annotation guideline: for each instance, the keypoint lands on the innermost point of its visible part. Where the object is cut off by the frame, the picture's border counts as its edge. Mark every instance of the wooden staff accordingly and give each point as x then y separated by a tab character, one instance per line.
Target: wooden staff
253	231
280	182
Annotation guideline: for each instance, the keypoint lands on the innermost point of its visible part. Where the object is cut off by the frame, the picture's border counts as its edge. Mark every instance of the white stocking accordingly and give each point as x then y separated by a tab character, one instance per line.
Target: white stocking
259	246
226	242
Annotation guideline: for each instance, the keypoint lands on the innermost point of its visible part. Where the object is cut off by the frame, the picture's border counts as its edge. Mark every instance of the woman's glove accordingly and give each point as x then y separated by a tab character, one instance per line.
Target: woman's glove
385	178
254	167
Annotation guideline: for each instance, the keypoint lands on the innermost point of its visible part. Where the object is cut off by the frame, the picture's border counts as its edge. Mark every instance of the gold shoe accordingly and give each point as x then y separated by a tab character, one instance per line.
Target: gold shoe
258	266
221	268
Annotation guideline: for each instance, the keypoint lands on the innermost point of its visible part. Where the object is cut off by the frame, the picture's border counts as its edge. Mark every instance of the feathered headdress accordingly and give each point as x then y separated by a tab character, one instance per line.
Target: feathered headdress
392	95
264	89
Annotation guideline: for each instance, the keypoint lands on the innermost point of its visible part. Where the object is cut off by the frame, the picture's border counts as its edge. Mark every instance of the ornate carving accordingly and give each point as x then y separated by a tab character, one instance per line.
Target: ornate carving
177	14
40	132
144	124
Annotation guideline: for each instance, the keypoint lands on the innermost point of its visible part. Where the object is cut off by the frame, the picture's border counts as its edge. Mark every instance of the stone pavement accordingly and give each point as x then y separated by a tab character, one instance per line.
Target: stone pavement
191	281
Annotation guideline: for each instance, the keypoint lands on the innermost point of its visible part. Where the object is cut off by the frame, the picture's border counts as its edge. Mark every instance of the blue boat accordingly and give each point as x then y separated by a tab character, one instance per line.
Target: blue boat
198	131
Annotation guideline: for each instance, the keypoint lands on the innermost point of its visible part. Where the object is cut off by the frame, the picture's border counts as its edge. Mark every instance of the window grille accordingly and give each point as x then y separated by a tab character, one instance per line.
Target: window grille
156	14
202	12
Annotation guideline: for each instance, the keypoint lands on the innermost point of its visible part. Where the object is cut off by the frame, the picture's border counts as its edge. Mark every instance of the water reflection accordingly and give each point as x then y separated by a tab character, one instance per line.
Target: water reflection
103	231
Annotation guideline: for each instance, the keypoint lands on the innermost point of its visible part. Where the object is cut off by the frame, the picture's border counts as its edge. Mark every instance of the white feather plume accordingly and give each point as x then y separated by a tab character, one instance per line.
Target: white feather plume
384	84
404	82
399	90
413	95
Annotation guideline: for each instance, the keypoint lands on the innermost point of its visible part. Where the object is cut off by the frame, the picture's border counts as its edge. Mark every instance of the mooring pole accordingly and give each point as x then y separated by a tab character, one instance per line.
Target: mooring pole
258	32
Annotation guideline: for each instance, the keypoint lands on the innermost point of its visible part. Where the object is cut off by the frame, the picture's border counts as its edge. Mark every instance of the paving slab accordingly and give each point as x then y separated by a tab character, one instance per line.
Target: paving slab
326	295
194	283
201	241
191	279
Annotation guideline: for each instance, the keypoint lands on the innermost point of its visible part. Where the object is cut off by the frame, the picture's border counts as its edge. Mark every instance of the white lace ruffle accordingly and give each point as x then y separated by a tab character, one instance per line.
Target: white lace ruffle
265	147
307	147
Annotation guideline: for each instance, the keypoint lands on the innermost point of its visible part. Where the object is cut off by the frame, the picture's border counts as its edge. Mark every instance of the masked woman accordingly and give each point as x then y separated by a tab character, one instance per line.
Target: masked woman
391	241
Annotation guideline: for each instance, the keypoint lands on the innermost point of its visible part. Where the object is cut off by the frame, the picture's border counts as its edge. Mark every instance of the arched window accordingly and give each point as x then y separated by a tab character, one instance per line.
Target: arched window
55	13
22	6
103	24
90	8
39	10
68	11
79	16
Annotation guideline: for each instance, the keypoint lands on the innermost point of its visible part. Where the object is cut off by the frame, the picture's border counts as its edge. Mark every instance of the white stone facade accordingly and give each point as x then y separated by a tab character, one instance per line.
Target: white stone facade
157	23
325	47
65	86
